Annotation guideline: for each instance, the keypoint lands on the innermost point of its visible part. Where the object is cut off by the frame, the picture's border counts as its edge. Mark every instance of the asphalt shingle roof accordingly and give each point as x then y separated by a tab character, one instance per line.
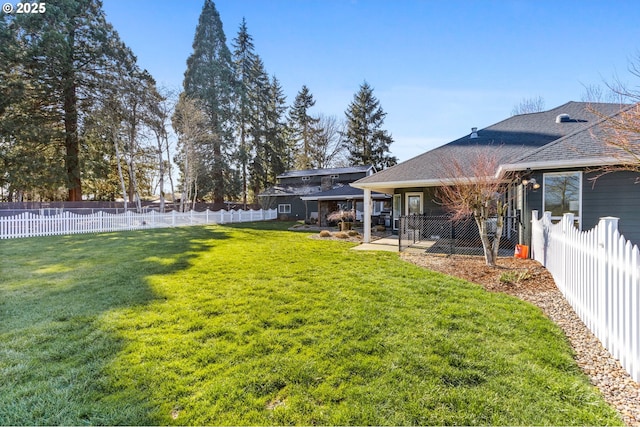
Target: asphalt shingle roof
323	172
344	192
509	141
585	144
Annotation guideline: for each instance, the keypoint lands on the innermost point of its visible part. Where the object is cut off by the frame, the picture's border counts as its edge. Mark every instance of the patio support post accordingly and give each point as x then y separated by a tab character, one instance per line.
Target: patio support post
368	207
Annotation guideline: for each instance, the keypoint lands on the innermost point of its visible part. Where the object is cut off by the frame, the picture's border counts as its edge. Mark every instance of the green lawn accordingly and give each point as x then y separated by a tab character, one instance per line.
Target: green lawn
252	324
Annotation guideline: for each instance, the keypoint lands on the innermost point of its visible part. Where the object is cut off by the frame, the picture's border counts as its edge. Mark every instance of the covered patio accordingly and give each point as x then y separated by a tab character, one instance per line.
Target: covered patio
349	198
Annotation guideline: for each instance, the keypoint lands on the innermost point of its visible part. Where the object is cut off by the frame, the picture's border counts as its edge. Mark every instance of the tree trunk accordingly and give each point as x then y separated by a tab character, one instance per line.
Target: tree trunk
489	256
71	144
120	174
161	171
173	192
218	174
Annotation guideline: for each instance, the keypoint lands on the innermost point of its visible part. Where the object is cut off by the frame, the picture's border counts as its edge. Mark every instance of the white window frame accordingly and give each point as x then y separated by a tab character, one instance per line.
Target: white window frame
407	196
378	206
284	208
578	217
397	210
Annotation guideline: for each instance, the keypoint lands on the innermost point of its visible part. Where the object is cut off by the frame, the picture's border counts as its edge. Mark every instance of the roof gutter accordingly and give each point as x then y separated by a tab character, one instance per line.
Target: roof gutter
558	164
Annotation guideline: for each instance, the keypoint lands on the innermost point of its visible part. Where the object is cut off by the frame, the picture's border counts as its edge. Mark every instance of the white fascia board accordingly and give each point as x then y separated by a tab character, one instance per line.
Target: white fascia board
389	187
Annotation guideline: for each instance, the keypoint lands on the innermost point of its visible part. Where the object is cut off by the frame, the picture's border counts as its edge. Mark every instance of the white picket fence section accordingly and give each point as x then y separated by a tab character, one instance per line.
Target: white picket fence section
598	271
30	225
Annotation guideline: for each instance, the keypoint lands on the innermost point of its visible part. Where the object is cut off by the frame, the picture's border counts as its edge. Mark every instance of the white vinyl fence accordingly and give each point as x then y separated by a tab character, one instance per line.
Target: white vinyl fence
28	224
598	271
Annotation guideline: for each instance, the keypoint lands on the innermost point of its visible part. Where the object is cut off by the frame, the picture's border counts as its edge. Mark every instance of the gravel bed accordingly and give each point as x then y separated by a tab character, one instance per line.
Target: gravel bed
537	287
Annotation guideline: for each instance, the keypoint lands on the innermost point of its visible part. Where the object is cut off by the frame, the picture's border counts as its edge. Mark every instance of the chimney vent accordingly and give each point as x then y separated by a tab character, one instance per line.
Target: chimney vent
563	118
474	133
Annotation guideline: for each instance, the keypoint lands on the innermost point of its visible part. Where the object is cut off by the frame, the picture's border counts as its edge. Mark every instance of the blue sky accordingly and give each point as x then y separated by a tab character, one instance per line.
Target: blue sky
438	67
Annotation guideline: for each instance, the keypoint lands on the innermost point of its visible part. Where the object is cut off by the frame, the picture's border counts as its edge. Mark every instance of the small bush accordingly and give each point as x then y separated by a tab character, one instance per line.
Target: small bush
353	233
341	235
513	277
380	228
325	233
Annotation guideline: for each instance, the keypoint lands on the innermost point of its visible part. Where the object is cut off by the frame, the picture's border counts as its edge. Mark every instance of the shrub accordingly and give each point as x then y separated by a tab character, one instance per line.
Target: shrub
380	228
325	233
342	235
513	277
353	233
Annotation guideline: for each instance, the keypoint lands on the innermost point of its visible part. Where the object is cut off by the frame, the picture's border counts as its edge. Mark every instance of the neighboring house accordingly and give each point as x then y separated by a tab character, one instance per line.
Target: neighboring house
345	197
286	195
558	148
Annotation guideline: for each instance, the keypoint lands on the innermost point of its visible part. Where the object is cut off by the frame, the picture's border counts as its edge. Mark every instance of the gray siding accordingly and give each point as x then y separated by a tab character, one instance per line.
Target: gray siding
615	194
430	204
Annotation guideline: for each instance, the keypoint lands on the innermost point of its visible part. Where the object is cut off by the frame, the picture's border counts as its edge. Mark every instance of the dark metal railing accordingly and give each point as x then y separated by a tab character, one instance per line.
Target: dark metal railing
441	234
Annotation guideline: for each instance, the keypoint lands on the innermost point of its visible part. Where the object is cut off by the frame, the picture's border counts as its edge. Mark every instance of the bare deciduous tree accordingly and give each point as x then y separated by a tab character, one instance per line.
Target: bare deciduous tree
470	187
529	105
621	132
328	147
190	123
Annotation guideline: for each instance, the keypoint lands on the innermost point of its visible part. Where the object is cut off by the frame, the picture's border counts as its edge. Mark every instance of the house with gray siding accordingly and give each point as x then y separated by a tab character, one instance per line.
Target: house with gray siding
289	195
559	150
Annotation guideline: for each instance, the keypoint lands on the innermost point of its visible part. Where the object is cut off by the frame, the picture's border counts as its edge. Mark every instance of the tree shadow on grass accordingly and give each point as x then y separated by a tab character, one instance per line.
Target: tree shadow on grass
54	351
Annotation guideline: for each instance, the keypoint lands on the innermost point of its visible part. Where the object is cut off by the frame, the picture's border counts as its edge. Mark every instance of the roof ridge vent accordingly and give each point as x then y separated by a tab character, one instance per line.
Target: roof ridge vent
563	118
474	133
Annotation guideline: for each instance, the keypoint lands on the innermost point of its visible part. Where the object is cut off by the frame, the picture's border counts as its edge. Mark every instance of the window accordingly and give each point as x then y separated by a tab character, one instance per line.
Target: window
335	176
414	204
306	178
284	209
562	194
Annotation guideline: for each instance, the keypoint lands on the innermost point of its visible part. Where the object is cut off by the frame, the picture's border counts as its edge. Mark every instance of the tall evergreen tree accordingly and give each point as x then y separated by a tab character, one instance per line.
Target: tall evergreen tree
244	60
279	155
367	142
69	53
303	127
259	122
210	78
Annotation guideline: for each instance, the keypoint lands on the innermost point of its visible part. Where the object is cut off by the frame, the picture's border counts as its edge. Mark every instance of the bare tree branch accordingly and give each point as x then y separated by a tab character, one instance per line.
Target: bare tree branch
470	187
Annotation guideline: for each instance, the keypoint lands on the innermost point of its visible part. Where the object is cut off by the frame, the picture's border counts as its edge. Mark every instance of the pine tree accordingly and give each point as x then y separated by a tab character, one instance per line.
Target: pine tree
279	154
367	142
68	54
209	78
259	122
244	60
303	127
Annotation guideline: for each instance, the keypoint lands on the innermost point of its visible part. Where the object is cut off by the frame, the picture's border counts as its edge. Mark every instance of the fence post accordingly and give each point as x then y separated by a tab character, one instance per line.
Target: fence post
567	223
606	228
536	237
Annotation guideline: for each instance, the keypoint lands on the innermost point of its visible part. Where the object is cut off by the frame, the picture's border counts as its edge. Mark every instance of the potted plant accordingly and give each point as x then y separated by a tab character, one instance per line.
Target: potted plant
344	217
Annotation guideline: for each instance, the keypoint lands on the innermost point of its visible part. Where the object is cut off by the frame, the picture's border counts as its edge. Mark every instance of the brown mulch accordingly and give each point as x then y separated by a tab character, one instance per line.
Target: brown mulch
532	276
533	283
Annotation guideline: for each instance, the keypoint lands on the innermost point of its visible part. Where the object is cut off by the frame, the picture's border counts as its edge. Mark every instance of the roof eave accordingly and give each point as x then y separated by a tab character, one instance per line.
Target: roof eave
559	164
